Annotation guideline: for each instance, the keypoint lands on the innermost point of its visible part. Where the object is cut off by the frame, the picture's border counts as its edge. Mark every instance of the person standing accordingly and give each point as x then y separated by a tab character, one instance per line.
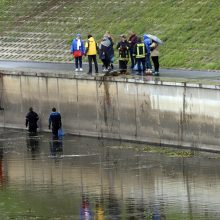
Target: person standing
132	41
55	121
155	57
105	53
112	56
91	51
123	50
77	49
140	52
147	42
31	120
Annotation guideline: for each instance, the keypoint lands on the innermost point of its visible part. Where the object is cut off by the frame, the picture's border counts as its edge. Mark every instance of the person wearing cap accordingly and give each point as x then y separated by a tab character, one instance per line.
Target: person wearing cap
91	50
31	120
55	121
123	50
78	50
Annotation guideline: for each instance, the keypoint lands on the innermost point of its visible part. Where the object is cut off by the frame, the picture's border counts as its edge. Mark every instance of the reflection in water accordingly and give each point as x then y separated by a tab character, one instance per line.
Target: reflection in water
56	147
2	178
103	180
99	209
85	210
113	207
33	143
130	208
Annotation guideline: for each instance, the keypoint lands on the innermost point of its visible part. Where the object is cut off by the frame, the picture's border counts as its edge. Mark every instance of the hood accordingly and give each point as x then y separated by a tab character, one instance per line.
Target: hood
91	39
145	37
147	40
106	42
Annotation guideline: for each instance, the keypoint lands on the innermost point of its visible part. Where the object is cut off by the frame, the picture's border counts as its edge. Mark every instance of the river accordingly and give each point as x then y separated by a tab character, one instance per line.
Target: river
90	178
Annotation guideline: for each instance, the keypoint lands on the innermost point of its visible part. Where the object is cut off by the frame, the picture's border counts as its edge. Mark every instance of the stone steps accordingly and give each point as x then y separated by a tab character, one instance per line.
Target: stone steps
40	30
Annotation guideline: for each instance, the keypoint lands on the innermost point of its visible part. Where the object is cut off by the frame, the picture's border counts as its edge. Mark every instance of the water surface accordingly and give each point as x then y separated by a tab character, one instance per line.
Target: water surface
90	178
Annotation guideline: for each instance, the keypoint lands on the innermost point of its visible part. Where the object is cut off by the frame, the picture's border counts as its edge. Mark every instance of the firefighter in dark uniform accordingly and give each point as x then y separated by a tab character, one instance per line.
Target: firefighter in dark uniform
140	52
123	49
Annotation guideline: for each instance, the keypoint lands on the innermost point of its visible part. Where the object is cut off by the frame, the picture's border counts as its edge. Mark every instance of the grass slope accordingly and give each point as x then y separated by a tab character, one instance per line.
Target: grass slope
189	28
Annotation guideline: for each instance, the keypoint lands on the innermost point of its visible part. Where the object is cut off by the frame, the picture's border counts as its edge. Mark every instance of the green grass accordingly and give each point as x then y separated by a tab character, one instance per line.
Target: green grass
190	29
170	152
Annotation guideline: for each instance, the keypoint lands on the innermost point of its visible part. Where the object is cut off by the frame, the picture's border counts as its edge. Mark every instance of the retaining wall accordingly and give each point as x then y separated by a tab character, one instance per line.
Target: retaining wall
130	109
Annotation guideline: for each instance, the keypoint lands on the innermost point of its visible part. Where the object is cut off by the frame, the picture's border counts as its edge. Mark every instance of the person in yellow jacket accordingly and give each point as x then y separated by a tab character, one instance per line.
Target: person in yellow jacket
91	51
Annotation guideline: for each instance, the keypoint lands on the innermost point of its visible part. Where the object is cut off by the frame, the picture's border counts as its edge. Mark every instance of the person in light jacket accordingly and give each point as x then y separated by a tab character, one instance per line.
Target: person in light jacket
112	56
155	57
105	53
78	50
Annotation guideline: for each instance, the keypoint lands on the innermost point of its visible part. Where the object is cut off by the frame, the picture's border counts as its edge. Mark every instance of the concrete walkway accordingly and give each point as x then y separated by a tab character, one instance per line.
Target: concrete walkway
69	67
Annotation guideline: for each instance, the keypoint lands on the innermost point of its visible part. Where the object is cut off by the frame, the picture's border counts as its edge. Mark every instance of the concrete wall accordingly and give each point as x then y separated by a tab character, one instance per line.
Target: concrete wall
157	112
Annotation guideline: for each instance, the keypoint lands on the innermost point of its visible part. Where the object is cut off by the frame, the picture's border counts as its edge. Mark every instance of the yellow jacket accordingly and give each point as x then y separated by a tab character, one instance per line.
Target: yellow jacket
91	47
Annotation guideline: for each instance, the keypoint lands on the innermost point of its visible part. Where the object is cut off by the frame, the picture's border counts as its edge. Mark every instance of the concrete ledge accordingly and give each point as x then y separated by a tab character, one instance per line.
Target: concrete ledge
123	78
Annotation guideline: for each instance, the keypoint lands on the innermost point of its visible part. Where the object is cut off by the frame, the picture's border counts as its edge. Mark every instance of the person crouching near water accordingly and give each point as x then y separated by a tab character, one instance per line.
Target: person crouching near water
78	50
55	121
123	50
105	53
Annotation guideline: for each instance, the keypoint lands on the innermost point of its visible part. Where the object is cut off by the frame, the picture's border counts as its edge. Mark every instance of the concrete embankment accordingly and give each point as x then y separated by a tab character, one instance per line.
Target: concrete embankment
138	109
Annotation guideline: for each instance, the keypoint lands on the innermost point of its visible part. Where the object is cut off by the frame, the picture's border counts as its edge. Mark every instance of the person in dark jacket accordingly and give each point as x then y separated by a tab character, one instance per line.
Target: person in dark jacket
31	120
112	56
55	121
140	52
123	50
132	41
105	53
